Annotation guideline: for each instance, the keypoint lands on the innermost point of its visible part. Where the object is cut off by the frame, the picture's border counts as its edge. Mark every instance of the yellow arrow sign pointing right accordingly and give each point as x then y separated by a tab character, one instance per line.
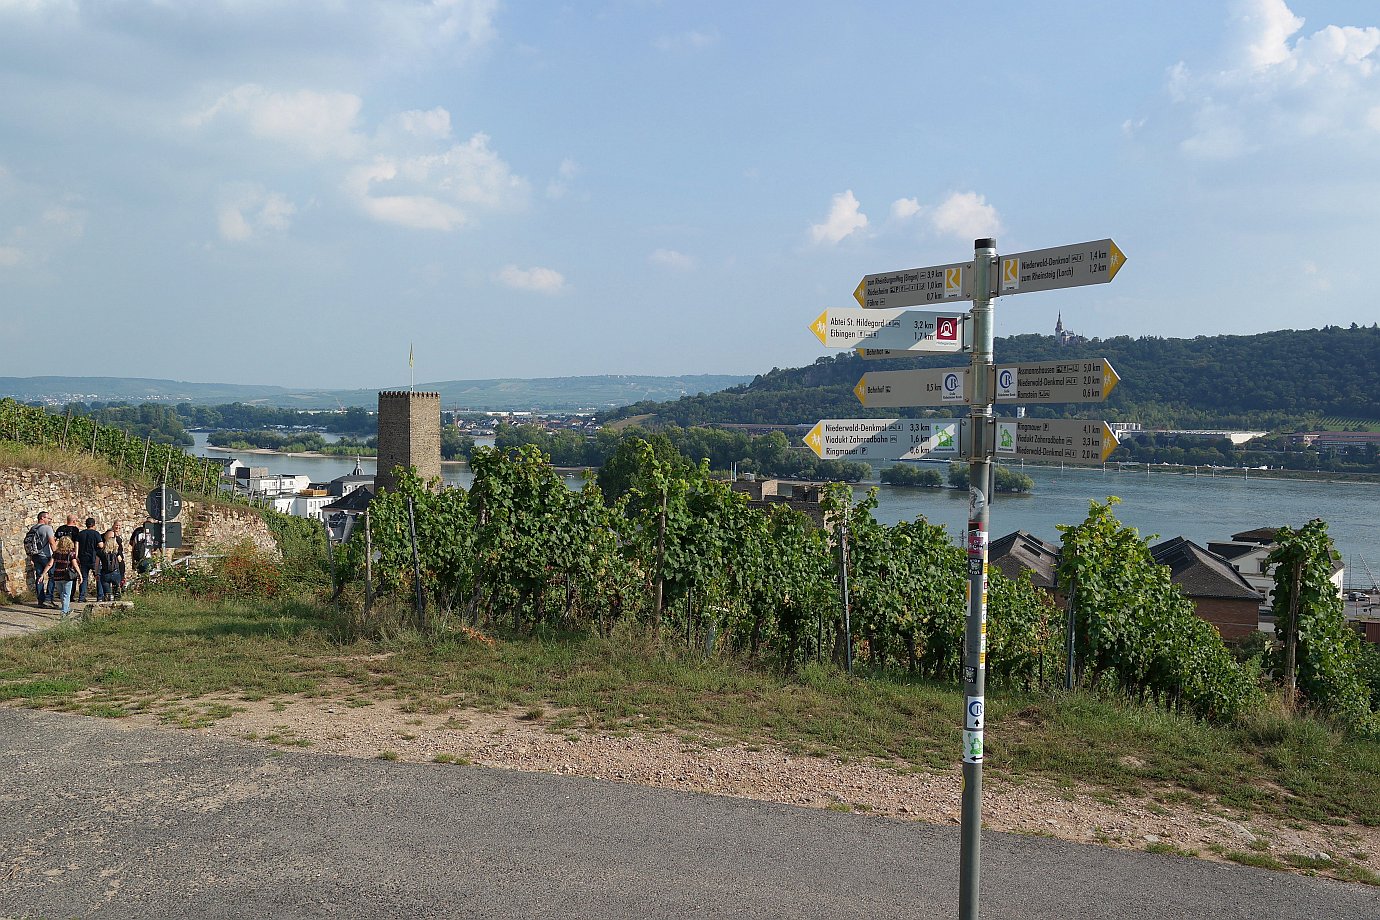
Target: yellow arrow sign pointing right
1109	441
1116	259
1109	378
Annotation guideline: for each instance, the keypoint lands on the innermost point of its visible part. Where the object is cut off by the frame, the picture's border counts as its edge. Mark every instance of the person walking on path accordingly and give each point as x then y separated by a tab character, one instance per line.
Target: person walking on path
87	541
39	543
62	572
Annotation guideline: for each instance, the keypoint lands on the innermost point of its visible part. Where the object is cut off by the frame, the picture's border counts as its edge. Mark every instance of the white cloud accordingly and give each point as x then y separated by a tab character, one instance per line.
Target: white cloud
248	210
693	40
321	124
35	223
540	280
844	218
965	215
1263	28
670	258
1280	86
905	208
433	124
558	187
420	212
410	172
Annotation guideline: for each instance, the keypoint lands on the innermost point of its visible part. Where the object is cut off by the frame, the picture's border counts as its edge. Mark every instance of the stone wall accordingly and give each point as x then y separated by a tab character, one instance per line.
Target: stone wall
25	492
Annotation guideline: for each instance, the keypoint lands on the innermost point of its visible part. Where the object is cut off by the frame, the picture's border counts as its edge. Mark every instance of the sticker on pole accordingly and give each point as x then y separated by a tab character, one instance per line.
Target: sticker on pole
972	746
974	711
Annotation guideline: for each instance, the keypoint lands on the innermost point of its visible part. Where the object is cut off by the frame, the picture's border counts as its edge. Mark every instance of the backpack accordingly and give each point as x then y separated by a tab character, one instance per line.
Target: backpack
62	567
35	545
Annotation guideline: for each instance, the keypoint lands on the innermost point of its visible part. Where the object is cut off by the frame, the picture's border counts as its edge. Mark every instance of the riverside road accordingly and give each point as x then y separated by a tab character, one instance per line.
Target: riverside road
100	820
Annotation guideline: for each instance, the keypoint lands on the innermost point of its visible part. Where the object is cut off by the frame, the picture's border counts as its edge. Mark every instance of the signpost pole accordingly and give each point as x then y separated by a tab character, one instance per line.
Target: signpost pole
975	631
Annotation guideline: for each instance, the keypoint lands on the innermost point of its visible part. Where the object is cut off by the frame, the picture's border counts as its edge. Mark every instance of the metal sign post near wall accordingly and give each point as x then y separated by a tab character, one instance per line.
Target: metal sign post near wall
886	328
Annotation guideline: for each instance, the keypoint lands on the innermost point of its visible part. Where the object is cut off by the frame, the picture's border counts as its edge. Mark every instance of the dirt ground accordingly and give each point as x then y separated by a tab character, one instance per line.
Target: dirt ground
535	740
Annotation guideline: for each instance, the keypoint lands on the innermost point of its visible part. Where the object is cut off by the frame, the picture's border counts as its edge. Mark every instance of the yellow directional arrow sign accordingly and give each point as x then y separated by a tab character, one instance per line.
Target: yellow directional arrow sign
1055	381
884	438
1083	443
907	330
1095	262
912	287
925	387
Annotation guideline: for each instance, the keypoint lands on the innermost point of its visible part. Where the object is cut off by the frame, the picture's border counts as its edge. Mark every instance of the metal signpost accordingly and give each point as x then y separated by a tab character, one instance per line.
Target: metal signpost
884	329
908	330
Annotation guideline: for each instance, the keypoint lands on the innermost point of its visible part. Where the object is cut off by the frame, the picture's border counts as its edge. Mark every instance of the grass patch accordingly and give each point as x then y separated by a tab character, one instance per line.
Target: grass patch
173	650
1258	860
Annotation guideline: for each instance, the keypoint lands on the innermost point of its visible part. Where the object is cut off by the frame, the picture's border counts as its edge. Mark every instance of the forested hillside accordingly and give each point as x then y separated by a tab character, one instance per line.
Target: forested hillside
1273	379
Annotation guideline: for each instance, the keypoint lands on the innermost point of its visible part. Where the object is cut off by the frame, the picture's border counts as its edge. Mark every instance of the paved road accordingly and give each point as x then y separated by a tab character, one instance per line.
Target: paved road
105	821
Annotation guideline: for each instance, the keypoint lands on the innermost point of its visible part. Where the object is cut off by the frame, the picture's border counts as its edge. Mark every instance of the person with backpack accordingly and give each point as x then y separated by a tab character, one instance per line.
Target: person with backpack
87	541
141	546
39	544
62	573
108	552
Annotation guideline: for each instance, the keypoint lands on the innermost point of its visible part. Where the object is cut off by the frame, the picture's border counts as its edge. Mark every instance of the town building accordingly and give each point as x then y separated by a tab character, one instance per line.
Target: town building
1019	552
1218	592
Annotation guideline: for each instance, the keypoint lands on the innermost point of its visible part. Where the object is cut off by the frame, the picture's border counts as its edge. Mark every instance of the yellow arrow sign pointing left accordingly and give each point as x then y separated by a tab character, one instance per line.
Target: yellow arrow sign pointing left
860	390
815	439
820	327
860	292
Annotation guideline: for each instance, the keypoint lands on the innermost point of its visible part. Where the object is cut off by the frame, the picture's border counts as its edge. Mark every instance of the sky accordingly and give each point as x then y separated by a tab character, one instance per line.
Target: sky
253	191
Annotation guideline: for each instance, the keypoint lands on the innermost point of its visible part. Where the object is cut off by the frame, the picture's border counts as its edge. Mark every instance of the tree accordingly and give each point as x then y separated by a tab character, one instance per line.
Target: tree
1319	654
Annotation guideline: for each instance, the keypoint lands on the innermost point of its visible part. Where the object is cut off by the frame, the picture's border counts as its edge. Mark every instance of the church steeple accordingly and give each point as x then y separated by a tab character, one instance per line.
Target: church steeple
1059	326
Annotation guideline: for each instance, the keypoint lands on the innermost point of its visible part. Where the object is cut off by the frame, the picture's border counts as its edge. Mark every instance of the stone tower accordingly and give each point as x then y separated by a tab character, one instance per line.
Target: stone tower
409	435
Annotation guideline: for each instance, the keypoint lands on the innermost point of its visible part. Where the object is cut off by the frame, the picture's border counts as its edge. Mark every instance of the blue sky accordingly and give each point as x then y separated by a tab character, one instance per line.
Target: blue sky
291	193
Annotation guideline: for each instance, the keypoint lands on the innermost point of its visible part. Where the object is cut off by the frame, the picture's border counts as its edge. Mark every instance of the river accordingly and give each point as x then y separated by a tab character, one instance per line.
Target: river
1200	508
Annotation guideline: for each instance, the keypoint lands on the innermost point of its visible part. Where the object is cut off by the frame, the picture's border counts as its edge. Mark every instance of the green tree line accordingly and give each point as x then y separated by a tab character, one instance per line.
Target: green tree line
1272	380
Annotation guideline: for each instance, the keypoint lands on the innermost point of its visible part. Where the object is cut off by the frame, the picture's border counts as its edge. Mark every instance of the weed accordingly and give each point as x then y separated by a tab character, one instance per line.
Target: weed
1258	860
388	755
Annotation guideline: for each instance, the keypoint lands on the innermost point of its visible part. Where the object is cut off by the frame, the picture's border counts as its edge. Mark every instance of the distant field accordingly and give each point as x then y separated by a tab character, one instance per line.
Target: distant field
1339	423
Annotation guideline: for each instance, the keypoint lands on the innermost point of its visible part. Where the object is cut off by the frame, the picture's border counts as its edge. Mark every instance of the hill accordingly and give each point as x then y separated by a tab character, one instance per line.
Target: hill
1270	379
507	394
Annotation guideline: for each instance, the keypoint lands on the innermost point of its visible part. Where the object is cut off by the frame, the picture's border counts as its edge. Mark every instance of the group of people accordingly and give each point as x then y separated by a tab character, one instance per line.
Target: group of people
67	559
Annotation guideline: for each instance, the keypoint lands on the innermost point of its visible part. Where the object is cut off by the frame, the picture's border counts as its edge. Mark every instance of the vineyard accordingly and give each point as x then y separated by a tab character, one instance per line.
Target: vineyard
683	556
142	458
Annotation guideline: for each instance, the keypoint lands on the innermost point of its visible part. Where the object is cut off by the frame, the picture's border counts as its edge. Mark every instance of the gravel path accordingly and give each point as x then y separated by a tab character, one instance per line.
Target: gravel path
761	772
